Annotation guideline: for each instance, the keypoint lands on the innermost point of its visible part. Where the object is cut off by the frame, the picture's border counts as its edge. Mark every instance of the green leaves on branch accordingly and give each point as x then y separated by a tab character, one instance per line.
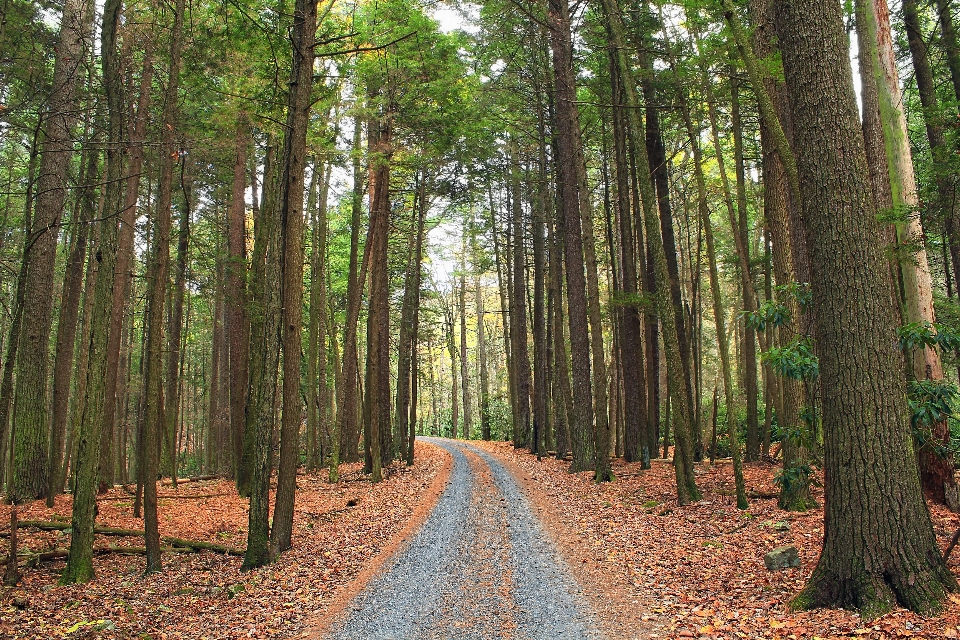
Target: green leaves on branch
931	401
916	335
795	360
776	312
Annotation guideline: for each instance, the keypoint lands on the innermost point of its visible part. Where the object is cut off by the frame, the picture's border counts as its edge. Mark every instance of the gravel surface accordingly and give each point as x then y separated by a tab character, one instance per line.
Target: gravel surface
481	567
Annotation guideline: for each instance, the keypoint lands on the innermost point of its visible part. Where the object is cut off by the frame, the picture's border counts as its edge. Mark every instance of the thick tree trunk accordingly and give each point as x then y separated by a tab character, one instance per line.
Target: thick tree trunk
30	415
253	478
936	470
879	547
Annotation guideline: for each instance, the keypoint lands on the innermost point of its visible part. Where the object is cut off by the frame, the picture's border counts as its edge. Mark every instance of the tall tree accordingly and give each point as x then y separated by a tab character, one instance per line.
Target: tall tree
30	413
80	561
872	493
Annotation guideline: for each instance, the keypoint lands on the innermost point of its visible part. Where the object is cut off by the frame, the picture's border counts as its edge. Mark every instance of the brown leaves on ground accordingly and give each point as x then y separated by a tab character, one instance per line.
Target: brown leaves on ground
697	571
338	532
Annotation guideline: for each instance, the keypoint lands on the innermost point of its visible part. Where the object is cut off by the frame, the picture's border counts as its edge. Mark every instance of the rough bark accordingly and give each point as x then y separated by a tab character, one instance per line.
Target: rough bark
567	122
678	389
67	326
30	414
80	564
636	438
291	267
347	405
879	547
518	317
237	326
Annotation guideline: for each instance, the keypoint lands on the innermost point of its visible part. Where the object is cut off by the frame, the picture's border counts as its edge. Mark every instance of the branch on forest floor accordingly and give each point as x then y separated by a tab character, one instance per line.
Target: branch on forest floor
196	545
949	549
31	560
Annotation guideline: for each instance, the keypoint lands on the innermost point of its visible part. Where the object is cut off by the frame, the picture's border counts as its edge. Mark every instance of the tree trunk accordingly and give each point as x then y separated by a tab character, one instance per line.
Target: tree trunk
518	315
464	363
158	274
567	123
235	299
291	268
347	406
636	437
678	388
30	414
872	496
67	326
80	562
936	469
175	332
742	229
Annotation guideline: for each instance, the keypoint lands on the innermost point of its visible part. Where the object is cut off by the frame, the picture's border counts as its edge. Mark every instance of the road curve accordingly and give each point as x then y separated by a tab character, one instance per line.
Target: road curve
482	567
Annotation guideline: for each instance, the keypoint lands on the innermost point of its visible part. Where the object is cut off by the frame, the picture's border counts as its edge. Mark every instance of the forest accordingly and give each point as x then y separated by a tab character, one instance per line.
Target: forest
257	245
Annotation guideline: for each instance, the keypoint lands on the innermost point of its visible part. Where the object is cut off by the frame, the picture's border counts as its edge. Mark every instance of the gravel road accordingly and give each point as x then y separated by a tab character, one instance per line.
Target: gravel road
482	567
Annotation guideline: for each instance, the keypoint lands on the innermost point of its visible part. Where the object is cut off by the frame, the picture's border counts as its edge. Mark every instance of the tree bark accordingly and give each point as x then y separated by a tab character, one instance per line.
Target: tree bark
347	406
567	122
30	414
80	563
678	390
235	298
873	500
291	268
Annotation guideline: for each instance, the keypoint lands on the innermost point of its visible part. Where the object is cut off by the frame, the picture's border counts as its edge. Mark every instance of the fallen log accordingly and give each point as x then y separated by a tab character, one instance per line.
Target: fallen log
212	476
116	531
33	559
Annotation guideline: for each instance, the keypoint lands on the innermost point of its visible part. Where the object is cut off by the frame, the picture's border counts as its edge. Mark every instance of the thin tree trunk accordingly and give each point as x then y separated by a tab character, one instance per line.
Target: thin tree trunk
687	490
67	326
175	332
235	299
356	276
291	269
80	561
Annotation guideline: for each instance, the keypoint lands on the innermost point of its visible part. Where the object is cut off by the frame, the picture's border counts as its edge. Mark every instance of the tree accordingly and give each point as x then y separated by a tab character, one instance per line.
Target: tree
872	494
30	414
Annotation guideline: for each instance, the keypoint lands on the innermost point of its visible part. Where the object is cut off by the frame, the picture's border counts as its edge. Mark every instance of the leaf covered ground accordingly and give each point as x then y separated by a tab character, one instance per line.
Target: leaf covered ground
697	571
339	533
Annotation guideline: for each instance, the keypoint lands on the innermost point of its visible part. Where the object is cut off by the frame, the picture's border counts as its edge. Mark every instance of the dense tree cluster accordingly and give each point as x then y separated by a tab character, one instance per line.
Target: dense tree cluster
247	237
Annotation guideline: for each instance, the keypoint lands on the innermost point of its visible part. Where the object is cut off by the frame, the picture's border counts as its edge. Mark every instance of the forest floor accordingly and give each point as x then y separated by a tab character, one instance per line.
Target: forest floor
646	567
697	571
341	533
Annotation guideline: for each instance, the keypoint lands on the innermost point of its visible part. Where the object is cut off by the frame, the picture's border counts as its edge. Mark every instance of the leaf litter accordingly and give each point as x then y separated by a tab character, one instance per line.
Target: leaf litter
697	571
339	530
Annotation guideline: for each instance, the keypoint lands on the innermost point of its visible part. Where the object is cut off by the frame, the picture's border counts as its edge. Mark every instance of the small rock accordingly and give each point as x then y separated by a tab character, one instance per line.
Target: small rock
105	625
781	526
781	558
